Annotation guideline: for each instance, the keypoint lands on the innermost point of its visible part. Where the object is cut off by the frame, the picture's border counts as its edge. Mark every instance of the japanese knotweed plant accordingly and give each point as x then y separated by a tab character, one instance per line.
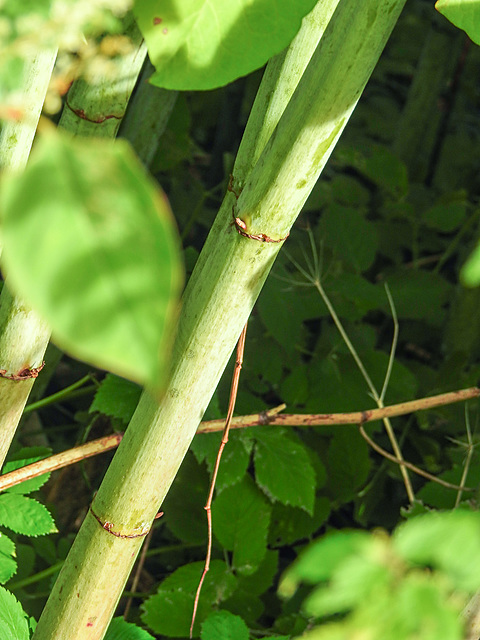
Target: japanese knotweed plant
89	243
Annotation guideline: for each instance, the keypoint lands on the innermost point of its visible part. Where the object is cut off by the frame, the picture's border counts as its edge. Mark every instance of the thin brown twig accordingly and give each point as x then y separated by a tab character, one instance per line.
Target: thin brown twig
409	465
272	417
60	460
335	419
226	430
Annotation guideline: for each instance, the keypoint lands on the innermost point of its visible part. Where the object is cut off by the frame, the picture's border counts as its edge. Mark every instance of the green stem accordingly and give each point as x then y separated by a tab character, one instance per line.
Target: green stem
218	300
60	395
23	336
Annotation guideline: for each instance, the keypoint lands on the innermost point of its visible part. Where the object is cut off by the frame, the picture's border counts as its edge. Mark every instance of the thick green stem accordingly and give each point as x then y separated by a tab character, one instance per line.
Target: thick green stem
147	116
219	298
23	335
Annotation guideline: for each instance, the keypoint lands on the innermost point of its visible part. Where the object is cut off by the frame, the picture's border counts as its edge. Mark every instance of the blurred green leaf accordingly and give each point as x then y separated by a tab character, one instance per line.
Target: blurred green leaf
419	295
320	560
100	261
449	541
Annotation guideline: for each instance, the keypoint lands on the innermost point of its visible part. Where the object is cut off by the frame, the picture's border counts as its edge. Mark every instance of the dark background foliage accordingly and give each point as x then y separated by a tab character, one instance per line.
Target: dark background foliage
397	205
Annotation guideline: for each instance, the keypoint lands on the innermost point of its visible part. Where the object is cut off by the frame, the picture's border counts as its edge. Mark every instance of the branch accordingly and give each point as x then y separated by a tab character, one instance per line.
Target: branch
272	417
356	417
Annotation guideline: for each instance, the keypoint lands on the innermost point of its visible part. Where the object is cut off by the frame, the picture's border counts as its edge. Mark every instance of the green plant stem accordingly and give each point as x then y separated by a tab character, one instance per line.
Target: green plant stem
272	417
220	295
23	334
57	397
147	116
378	398
36	577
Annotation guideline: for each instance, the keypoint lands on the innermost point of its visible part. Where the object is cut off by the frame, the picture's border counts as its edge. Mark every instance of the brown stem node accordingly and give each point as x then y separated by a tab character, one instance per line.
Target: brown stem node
109	526
23	374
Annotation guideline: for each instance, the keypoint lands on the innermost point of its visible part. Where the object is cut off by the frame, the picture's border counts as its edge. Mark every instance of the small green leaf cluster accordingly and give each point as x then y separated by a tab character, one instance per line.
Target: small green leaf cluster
413	583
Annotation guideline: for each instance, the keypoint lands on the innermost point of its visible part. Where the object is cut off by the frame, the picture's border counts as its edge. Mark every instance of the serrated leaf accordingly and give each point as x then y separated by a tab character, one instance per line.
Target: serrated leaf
100	259
119	629
235	458
169	611
283	469
116	397
202	45
13	622
465	14
23	457
25	515
8	563
241	516
223	625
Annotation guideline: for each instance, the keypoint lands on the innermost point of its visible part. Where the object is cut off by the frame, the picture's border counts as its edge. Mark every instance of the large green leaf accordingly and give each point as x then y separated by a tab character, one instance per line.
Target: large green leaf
169	611
223	625
464	14
241	516
89	242
200	44
283	469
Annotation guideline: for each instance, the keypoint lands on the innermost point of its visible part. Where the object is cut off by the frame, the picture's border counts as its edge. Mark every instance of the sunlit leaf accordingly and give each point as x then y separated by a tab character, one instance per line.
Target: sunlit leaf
25	515
465	14
201	45
13	622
